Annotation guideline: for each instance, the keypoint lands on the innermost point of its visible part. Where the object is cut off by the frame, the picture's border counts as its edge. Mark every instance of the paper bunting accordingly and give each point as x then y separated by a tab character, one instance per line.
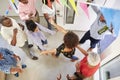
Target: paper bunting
85	9
64	2
13	4
13	1
72	2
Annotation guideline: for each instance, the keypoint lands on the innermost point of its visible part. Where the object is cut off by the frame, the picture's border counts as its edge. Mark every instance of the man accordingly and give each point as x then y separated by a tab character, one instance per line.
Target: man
10	63
14	33
97	30
87	66
27	10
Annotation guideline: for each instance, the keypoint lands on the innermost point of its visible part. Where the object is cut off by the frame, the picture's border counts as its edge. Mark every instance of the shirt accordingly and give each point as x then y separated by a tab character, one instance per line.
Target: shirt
60	49
85	69
7	33
49	11
97	25
25	9
8	60
36	37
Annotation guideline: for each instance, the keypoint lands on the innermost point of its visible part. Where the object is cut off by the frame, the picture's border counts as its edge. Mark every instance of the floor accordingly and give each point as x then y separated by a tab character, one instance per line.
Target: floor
46	67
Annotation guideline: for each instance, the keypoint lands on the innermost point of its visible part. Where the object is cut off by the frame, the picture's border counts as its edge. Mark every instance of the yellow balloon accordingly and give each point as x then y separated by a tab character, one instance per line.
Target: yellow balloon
72	2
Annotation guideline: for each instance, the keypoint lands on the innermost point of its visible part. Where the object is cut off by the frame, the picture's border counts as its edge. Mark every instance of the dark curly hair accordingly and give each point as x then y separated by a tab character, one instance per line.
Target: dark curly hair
30	25
71	40
46	1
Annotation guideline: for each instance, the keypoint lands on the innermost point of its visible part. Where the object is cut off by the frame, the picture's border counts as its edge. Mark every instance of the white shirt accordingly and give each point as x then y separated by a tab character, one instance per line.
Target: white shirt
97	25
7	33
49	11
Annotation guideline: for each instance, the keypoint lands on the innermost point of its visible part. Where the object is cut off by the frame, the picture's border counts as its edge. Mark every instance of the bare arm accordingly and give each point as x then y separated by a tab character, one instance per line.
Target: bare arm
82	50
59	28
14	40
53	51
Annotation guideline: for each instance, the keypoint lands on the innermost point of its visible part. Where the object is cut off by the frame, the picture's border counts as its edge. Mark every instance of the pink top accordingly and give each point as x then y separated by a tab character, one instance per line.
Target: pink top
25	9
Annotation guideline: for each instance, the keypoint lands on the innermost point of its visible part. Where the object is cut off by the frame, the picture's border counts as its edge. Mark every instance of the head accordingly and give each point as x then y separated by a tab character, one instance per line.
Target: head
31	26
46	1
23	1
5	21
102	19
93	59
71	40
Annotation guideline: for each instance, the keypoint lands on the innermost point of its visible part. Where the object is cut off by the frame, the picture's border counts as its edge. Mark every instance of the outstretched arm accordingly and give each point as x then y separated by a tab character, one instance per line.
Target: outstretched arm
53	52
59	28
82	50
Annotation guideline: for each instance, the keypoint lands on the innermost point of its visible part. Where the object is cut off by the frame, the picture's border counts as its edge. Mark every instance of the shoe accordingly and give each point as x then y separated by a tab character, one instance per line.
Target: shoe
30	45
24	66
16	75
35	58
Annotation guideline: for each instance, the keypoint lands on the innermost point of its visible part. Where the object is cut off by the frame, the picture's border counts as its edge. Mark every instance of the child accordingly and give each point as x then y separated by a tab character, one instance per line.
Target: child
67	48
35	34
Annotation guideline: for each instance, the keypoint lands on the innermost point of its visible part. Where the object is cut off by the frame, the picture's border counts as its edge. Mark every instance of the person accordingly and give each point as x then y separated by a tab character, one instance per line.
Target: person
34	32
14	33
67	48
87	66
27	10
97	30
10	62
49	11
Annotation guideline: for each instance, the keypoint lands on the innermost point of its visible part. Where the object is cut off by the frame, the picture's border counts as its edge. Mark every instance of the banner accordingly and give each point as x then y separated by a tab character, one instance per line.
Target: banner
72	2
64	2
14	4
85	8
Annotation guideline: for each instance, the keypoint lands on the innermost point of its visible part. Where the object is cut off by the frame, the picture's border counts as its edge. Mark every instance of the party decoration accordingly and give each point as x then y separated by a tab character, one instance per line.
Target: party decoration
85	8
72	2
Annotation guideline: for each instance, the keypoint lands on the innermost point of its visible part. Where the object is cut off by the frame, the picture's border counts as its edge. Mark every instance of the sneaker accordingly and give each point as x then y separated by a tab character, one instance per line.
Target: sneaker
16	75
24	66
35	58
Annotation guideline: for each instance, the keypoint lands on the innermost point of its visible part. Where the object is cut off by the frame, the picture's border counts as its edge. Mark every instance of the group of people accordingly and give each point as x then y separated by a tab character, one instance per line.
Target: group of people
30	34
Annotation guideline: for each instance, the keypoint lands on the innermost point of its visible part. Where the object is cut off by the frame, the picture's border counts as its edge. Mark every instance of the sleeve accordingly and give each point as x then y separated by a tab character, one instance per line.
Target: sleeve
45	29
58	50
5	68
44	10
23	16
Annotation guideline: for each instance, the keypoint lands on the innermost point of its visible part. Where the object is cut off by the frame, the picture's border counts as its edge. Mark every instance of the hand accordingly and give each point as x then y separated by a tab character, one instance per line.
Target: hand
16	57
15	31
51	21
16	69
59	77
30	15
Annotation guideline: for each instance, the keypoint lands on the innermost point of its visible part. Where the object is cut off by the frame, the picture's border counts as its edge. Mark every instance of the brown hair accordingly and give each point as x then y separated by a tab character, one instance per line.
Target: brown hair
71	40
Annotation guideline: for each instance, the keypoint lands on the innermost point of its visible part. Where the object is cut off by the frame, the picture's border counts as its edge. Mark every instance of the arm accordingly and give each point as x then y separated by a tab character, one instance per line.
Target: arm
45	29
14	39
82	50
53	51
59	28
